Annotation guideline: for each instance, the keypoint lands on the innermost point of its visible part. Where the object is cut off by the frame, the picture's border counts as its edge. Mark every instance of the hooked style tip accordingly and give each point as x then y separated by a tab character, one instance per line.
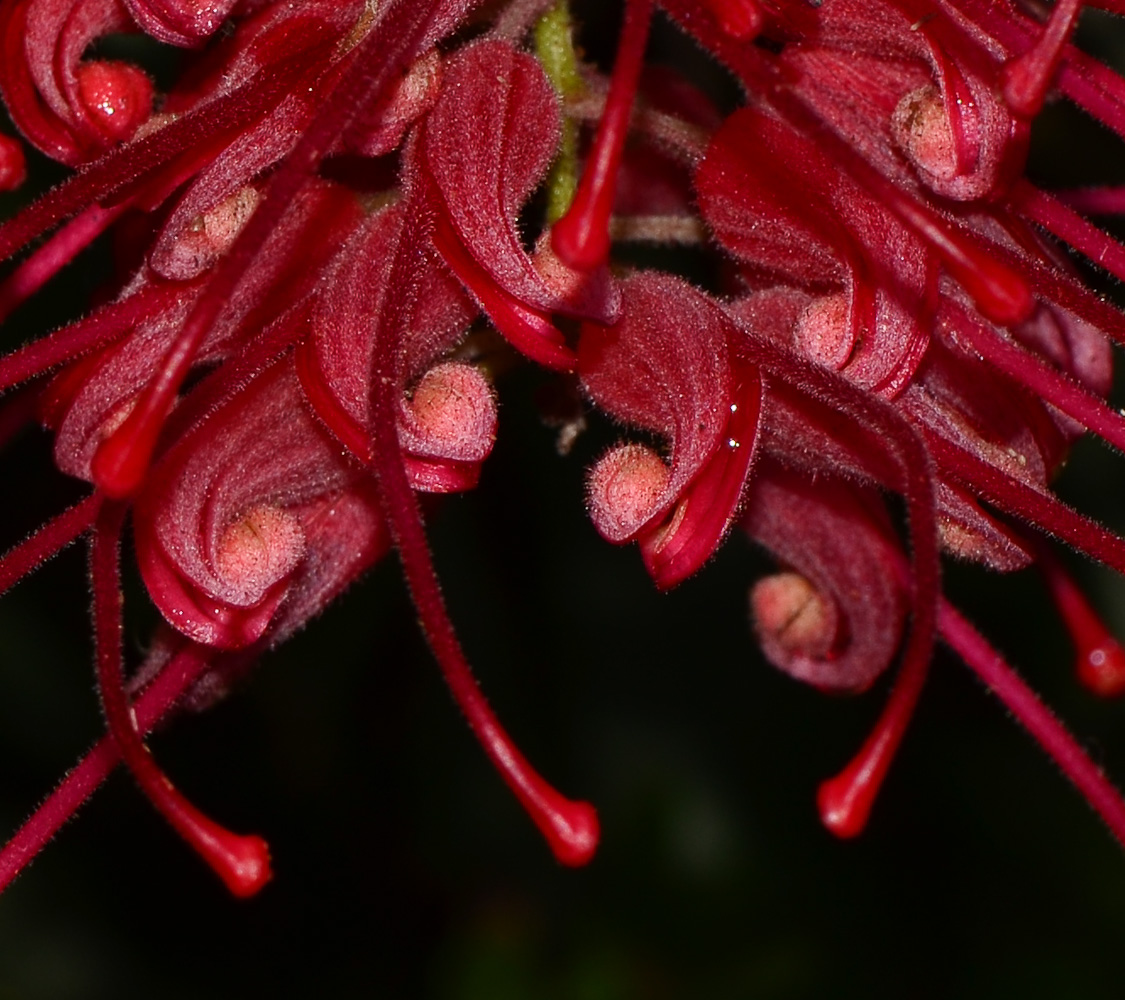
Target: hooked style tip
572	831
580	238
243	865
241	861
121	462
1026	79
1002	295
1099	658
13	164
741	20
1101	668
844	802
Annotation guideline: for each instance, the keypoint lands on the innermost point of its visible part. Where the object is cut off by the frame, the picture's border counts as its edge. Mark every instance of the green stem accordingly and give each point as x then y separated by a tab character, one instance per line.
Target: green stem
554	47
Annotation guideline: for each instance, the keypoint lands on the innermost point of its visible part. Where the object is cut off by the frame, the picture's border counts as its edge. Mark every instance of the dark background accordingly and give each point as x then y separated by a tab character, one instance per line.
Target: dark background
405	868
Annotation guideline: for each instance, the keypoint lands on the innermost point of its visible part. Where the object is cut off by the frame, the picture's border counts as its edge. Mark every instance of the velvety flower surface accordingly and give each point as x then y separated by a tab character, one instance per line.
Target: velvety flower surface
318	225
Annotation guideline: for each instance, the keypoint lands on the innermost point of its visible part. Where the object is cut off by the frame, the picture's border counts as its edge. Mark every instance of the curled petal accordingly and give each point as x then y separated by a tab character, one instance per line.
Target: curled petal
450	415
967	403
186	23
706	509
649	372
1074	345
219	201
842	628
666	367
70	109
792	616
345	533
529	330
196	236
382	131
771	212
970	532
447	426
796	218
919	80
487	144
92	397
624	488
106	386
220	528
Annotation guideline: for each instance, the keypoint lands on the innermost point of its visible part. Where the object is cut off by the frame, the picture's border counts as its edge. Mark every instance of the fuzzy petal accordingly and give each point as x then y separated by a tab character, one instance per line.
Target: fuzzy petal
666	367
219	528
838	537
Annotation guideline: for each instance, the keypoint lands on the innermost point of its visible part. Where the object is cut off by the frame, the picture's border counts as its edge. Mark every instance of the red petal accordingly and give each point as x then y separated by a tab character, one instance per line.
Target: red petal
838	537
666	367
487	144
220	528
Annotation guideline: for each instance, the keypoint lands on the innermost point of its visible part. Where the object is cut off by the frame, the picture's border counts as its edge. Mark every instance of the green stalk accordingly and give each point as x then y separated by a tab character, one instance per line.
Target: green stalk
554	47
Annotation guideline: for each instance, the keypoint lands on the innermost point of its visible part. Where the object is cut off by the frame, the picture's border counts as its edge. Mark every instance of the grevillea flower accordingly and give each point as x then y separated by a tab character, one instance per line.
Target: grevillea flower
338	199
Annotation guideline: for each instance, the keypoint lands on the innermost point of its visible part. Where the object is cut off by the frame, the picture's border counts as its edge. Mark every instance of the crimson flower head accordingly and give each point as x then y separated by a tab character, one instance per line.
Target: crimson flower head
338	200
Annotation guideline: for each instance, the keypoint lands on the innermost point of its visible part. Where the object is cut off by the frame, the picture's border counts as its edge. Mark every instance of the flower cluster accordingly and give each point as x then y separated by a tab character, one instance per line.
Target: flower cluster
312	221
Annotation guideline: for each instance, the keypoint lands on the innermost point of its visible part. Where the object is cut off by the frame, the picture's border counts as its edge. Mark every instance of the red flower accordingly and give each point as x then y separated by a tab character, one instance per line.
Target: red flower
312	218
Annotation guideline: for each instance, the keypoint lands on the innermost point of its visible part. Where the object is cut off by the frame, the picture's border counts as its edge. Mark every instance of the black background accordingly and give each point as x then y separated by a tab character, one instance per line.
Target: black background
404	867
